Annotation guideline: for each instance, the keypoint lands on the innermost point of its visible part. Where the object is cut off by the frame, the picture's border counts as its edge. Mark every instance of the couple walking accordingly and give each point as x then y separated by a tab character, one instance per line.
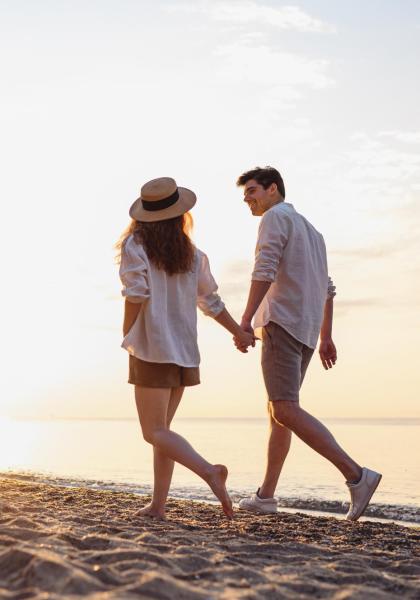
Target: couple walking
165	277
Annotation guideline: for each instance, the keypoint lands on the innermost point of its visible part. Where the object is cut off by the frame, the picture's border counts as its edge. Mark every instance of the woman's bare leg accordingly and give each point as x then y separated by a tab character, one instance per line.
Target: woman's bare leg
152	406
163	466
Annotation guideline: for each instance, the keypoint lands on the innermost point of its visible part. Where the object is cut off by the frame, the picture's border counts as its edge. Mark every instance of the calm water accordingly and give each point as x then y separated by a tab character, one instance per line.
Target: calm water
113	453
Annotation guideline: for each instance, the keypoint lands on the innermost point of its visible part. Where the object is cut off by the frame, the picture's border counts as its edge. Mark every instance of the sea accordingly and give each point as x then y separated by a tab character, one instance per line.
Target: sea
111	454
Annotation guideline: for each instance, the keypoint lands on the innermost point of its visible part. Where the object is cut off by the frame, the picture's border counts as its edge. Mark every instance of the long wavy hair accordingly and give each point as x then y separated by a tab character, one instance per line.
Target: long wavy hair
167	243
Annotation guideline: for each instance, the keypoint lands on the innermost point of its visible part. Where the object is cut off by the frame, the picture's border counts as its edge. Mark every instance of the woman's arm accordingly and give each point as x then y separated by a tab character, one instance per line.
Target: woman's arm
244	339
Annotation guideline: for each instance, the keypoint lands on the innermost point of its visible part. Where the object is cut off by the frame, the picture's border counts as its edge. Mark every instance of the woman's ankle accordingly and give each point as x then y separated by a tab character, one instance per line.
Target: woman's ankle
152	511
158	505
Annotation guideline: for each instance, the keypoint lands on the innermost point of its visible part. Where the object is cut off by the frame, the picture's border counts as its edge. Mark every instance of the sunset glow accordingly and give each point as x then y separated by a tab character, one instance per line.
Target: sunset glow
98	98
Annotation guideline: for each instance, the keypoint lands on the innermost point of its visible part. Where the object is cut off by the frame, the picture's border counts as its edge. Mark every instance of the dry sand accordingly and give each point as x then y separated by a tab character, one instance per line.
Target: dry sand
60	542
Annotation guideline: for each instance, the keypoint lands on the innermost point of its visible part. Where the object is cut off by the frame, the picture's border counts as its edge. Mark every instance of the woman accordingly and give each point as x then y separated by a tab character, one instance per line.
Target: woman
165	277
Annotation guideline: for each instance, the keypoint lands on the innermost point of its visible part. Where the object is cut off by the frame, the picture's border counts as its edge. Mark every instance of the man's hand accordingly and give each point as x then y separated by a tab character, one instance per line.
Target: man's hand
246	337
327	353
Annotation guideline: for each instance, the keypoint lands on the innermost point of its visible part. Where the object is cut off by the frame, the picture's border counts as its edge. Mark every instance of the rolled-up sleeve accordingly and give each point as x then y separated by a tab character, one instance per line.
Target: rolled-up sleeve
208	300
272	239
133	273
331	289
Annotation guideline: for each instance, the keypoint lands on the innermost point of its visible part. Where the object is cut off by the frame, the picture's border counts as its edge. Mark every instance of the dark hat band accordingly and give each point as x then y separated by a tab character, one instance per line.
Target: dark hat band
161	204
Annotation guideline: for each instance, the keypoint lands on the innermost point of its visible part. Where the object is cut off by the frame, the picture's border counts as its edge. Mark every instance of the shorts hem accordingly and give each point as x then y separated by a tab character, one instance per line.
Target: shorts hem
156	385
161	375
284	400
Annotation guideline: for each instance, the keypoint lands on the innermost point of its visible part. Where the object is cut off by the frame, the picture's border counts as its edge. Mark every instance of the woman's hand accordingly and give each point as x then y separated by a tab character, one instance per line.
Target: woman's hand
131	311
244	339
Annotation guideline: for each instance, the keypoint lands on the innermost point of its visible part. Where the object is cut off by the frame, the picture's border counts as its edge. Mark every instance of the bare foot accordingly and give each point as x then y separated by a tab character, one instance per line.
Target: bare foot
149	511
217	482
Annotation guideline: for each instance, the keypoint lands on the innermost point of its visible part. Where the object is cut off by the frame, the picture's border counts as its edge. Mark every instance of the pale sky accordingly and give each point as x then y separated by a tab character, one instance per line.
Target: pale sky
98	97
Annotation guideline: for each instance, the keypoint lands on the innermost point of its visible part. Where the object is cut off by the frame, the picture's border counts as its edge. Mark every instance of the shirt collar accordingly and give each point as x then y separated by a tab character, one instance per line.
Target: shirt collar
283	205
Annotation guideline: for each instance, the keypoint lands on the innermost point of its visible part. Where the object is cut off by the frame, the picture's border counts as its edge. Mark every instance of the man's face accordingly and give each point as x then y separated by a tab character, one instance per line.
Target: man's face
258	199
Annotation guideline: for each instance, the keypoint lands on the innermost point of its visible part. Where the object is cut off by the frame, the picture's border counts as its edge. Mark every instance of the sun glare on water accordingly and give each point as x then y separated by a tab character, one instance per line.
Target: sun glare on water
13	451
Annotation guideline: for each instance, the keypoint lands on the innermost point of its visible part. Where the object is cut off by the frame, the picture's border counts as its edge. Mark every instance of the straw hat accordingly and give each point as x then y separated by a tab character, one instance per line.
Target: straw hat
162	199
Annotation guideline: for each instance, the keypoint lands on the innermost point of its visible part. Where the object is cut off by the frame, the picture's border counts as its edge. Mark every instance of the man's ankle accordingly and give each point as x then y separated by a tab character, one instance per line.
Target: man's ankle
355	478
263	495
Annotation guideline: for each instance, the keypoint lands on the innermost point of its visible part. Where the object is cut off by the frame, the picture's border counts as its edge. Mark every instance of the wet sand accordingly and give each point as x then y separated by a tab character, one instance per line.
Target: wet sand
58	542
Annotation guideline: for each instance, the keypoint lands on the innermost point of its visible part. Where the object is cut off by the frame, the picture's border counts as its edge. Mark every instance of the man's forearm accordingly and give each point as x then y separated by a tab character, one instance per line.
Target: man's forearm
257	292
131	310
326	327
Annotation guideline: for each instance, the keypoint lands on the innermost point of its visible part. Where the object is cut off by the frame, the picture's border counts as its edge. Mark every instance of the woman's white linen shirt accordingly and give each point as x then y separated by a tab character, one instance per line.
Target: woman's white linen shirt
165	330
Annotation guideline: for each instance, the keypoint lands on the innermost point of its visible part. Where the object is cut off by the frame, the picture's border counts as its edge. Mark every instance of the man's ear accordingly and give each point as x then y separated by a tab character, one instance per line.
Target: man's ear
273	188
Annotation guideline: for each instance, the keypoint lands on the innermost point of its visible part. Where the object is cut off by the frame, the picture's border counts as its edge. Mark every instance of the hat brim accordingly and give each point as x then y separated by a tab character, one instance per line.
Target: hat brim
185	202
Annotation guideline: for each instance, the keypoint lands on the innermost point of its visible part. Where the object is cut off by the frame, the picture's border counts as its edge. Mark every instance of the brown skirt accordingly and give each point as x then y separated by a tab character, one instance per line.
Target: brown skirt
161	375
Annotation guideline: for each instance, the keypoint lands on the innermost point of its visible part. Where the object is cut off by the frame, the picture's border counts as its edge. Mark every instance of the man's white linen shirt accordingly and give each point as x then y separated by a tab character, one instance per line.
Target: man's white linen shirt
291	254
165	330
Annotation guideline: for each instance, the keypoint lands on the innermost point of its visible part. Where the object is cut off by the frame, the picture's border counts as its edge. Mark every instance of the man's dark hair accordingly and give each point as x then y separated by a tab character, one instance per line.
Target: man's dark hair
264	176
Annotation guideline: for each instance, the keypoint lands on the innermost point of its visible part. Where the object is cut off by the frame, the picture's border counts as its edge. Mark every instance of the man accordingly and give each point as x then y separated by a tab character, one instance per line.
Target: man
291	297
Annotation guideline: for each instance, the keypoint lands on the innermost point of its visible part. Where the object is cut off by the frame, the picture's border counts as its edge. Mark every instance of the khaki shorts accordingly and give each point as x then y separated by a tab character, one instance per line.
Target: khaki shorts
284	361
161	375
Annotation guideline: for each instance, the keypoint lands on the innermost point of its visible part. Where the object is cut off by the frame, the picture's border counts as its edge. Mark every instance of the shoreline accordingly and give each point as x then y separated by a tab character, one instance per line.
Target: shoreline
405	515
75	541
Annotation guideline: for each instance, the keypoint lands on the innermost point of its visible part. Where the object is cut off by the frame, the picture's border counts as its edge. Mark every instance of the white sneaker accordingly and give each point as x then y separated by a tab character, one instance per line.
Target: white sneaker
259	505
361	493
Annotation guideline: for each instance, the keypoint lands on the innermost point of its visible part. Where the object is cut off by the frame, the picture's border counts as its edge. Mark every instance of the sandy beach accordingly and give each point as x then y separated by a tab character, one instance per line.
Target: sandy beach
58	542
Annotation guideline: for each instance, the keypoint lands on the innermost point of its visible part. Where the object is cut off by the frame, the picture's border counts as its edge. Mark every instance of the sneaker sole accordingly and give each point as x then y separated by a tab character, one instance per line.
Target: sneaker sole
257	510
365	505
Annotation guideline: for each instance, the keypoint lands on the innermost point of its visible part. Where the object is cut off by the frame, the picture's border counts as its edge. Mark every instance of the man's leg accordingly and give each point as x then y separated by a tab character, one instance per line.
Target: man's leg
275	362
315	435
362	483
279	438
285	361
278	448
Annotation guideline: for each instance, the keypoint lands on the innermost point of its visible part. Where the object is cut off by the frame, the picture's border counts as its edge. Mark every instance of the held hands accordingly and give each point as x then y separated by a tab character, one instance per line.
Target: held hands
327	353
245	337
